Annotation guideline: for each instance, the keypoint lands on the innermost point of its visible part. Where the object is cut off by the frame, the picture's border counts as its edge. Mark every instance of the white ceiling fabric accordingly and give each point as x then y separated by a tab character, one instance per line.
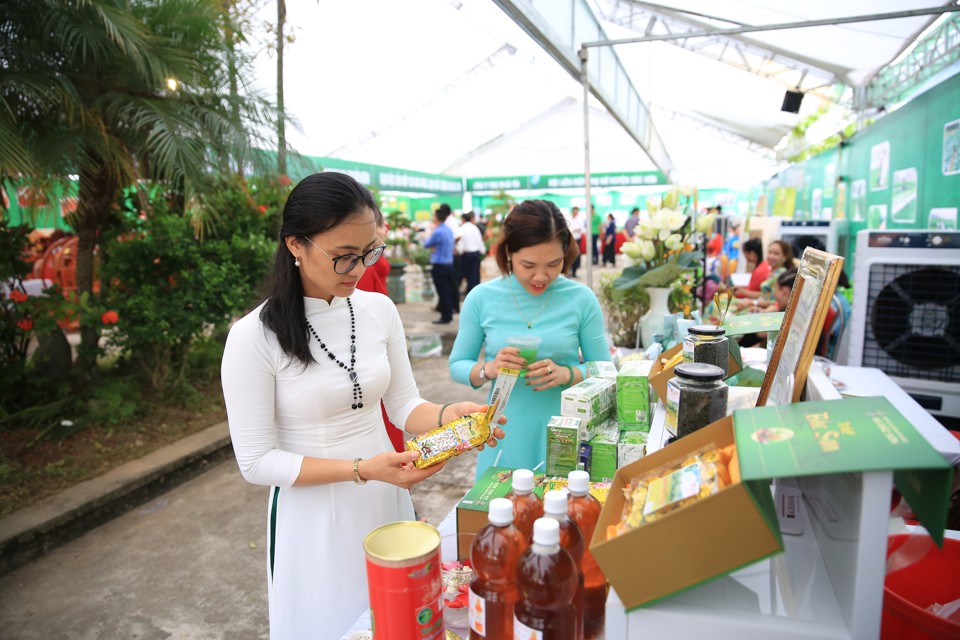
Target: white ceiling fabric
448	86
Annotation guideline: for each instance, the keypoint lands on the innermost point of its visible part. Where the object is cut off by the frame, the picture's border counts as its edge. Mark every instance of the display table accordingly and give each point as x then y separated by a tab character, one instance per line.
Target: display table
828	583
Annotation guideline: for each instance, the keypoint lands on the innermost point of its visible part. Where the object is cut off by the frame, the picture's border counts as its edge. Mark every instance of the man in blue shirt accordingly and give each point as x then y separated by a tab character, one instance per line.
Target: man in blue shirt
440	244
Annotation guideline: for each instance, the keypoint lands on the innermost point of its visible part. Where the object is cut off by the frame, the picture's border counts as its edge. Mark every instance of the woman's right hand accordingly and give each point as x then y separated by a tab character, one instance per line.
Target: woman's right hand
510	358
396	469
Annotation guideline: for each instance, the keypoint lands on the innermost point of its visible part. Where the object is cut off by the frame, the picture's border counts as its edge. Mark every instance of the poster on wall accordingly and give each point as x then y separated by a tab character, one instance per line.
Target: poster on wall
951	148
943	218
784	201
879	166
904	209
840	202
877	216
858	200
816	206
829	178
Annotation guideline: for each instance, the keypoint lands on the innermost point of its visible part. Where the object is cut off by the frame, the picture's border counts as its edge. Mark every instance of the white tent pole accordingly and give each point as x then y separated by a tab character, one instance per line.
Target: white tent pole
588	232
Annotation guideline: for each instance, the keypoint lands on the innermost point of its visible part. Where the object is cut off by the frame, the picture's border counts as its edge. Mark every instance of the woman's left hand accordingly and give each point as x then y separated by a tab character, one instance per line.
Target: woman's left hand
546	374
460	409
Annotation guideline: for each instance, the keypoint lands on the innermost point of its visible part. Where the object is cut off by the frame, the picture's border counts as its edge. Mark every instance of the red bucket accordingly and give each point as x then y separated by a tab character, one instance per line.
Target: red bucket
403	577
908	592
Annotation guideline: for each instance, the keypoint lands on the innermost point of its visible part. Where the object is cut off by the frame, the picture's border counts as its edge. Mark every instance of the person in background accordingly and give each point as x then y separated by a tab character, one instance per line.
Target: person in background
753	253
596	221
454	223
780	258
630	226
731	246
471	241
610	241
440	244
577	228
374	279
303	375
533	298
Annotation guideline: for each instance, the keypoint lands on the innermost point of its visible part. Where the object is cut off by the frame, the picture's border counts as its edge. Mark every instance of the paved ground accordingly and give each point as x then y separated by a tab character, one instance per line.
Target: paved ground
189	563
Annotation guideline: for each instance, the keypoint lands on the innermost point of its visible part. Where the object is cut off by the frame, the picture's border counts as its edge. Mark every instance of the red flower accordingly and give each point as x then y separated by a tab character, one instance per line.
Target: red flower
110	317
262	208
25	324
285	180
18	296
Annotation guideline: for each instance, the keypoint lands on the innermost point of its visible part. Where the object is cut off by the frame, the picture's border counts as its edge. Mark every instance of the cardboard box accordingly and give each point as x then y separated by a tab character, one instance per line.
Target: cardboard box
602	369
592	400
633	395
473	508
563	445
603	453
660	374
703	540
631	447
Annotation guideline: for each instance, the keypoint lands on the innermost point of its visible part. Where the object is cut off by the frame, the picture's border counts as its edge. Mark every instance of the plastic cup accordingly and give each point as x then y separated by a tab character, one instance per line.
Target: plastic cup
527	346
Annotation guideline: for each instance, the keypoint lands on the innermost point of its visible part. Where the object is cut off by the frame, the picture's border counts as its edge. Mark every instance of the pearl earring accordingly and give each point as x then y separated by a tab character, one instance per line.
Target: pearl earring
296	261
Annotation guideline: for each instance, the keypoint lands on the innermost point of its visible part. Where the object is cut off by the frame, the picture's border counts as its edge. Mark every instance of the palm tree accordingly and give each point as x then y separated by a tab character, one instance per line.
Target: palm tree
120	91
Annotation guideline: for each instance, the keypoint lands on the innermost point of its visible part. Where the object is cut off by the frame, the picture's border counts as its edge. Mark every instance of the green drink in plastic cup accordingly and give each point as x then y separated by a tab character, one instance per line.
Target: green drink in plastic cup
527	346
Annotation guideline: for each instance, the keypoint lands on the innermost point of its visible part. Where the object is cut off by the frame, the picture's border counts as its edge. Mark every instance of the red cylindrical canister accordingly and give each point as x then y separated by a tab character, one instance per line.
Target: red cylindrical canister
403	576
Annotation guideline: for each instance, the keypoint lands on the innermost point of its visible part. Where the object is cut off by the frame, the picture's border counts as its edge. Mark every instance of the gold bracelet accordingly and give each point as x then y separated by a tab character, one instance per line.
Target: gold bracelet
440	415
356	472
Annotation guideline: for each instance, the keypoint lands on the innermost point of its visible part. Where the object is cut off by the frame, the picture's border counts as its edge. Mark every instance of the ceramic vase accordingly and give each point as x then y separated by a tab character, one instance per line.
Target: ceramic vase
652	321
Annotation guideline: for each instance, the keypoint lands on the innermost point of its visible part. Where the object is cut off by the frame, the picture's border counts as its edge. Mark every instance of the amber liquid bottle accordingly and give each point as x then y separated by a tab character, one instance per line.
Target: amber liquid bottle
495	553
584	509
547	578
571	539
527	506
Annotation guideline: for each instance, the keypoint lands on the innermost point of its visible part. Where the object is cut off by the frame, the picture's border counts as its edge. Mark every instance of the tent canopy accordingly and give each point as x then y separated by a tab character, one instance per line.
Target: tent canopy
456	87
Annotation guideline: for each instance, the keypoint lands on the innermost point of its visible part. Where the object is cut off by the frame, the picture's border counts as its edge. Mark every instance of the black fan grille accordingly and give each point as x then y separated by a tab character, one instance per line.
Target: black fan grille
913	321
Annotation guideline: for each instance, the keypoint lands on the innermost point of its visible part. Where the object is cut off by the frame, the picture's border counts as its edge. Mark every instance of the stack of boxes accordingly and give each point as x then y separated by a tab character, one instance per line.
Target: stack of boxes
604	421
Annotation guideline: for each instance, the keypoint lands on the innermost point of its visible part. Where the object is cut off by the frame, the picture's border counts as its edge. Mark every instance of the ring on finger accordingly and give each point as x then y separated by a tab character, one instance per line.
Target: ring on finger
550	370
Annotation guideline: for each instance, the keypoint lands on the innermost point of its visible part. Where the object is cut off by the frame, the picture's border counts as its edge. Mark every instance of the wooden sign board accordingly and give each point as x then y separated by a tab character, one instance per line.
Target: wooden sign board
802	323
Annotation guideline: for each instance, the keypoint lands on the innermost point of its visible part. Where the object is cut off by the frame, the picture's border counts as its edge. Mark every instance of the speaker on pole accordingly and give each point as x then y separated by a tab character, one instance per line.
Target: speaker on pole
791	101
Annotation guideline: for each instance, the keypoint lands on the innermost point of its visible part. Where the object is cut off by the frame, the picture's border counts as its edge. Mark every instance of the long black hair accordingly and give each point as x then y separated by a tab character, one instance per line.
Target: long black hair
318	203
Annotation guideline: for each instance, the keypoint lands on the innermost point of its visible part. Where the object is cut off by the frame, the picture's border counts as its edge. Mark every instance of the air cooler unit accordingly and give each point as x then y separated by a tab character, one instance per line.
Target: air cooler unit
828	233
906	313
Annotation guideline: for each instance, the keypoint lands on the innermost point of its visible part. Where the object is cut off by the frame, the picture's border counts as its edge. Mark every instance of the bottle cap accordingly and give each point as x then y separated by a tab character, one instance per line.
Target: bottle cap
501	512
546	532
699	371
578	482
706	330
555	503
522	480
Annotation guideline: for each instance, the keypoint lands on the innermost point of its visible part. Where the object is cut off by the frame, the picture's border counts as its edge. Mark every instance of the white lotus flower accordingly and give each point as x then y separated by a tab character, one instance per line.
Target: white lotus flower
676	220
705	223
647	250
631	250
664	234
674	242
648	230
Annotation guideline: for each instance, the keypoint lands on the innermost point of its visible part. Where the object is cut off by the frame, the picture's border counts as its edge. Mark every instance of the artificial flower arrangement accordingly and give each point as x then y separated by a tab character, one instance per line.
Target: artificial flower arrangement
665	248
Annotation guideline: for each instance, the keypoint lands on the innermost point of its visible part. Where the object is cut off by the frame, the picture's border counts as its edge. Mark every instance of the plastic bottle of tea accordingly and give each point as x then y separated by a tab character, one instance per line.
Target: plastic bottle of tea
527	506
584	509
547	578
571	539
495	552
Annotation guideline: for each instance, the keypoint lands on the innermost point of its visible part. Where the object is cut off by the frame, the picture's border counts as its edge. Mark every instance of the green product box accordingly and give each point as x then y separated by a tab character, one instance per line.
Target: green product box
601	369
593	401
603	455
473	508
633	395
631	447
563	445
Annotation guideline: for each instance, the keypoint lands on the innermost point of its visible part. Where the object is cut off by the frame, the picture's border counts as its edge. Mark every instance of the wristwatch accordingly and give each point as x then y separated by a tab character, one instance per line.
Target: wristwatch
483	371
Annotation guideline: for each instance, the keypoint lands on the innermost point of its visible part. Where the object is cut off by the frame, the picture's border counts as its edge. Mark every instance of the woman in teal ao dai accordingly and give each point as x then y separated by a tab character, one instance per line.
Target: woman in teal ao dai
533	298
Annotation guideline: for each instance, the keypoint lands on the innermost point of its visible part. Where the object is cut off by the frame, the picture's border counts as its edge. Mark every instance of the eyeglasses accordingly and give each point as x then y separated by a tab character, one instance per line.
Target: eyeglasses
346	263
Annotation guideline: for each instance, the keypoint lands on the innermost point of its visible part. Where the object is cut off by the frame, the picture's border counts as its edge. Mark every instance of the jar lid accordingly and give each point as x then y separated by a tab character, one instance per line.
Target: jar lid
699	371
706	330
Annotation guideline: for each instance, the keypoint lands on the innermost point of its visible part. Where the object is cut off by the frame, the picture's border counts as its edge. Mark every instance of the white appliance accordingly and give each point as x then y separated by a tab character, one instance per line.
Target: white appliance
830	234
906	313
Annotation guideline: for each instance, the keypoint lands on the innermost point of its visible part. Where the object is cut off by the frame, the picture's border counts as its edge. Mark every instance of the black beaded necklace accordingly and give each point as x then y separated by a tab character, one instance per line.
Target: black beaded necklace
357	391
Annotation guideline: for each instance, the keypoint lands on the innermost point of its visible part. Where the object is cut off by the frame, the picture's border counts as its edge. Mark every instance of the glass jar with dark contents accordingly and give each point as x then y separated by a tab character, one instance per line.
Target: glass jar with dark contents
696	397
706	343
